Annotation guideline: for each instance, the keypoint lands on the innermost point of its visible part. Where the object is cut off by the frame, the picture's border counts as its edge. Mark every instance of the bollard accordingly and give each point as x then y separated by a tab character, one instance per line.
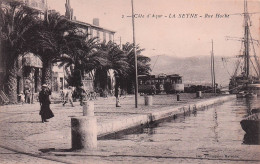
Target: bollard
198	94
84	129
148	100
178	97
88	108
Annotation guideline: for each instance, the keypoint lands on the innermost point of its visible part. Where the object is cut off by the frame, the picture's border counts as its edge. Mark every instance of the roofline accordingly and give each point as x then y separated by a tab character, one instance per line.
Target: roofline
91	25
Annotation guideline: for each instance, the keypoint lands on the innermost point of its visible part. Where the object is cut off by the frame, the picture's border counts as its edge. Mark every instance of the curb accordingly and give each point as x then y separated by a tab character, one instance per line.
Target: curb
166	112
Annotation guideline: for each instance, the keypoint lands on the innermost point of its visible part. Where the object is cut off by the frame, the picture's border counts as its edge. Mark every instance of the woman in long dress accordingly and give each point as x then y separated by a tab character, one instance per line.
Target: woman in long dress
45	102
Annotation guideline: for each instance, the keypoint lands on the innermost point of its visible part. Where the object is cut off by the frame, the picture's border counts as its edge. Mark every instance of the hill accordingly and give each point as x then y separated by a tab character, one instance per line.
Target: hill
194	70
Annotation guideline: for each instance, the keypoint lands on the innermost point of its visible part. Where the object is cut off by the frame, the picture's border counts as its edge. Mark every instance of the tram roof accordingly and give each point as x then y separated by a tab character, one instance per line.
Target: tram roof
160	76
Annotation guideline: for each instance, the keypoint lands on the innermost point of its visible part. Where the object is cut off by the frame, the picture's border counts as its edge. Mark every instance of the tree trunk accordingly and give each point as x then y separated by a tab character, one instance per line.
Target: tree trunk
101	79
11	82
46	73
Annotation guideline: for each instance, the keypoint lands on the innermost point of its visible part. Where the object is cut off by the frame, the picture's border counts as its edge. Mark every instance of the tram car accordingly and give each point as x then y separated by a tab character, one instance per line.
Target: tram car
173	84
162	83
146	85
151	84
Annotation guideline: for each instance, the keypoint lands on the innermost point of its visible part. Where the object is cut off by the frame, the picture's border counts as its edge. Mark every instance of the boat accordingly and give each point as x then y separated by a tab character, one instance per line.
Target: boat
251	95
246	79
251	124
246	82
251	139
244	94
254	88
256	110
241	95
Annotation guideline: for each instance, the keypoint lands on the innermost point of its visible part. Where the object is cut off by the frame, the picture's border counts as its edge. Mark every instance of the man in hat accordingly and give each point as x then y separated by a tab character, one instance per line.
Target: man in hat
44	99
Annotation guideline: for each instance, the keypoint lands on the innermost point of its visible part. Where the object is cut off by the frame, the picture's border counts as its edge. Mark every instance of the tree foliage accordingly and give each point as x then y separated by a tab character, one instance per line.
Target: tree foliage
57	39
143	66
50	40
16	21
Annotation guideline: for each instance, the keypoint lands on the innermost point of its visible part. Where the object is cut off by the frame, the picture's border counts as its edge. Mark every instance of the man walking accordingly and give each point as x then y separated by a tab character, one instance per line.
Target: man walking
69	97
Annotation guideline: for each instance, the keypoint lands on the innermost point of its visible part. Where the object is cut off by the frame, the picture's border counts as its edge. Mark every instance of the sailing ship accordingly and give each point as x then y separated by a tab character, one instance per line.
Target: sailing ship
248	80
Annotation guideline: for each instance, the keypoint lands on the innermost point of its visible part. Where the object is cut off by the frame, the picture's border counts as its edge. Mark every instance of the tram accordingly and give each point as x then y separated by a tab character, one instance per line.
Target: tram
174	84
162	83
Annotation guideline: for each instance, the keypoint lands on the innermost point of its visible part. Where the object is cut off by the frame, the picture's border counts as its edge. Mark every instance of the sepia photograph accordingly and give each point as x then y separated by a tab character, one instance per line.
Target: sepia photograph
129	81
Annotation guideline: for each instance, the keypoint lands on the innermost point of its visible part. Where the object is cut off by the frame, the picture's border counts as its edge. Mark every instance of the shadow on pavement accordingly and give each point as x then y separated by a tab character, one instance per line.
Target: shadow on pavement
48	150
34	122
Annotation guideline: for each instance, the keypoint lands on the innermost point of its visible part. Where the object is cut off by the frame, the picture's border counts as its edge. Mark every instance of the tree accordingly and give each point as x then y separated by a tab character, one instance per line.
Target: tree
116	60
81	56
50	41
16	21
143	66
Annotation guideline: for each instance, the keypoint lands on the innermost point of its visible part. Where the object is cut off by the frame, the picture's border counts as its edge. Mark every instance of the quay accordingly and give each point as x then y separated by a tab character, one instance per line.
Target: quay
158	113
22	130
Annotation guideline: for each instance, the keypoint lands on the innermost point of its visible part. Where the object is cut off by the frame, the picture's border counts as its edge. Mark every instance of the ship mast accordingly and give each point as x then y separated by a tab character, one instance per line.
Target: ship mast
213	77
246	40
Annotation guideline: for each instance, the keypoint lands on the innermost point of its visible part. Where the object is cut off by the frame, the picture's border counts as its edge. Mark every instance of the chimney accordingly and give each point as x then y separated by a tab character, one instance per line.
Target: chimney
96	21
69	10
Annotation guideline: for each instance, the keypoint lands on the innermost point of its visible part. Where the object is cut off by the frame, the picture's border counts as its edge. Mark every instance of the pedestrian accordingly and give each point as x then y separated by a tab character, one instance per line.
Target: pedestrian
117	90
22	99
69	97
44	99
62	96
27	93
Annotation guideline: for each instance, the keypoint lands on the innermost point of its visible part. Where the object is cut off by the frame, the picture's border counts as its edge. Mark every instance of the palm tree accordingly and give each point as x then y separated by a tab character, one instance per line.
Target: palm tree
83	55
116	60
143	66
16	21
50	40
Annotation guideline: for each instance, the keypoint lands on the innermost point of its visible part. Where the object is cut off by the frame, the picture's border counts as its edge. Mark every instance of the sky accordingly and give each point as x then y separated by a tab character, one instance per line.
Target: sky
169	35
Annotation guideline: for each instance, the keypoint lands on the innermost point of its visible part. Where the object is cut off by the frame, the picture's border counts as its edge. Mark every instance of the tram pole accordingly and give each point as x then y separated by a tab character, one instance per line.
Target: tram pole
136	73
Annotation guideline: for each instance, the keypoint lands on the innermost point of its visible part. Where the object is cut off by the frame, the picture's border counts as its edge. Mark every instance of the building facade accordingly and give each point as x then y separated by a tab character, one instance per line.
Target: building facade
93	31
30	65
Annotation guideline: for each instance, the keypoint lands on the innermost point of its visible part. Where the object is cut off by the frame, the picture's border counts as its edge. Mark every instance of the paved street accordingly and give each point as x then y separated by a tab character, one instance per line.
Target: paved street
22	130
24	139
12	157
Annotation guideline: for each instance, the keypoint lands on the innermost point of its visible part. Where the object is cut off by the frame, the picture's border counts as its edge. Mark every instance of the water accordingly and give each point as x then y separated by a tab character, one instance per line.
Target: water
216	125
212	133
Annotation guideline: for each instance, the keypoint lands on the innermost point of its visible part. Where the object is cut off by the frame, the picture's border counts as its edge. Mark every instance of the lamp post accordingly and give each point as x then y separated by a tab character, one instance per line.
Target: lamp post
136	73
